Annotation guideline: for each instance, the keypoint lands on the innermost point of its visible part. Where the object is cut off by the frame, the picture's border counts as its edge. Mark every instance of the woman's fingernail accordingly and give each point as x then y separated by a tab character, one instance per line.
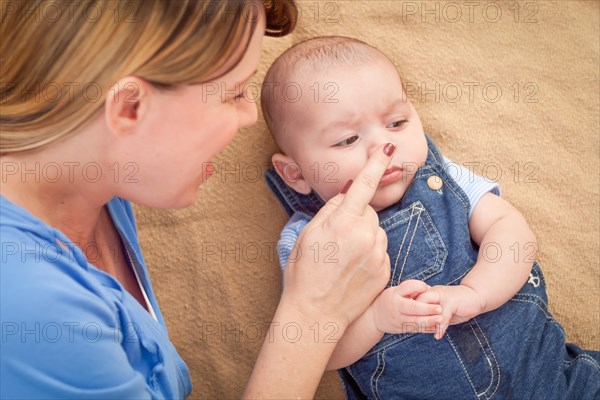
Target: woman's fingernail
346	186
438	309
388	149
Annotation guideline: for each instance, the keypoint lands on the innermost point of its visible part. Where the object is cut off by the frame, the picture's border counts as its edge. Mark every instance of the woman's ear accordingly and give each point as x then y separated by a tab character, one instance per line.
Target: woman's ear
126	104
290	172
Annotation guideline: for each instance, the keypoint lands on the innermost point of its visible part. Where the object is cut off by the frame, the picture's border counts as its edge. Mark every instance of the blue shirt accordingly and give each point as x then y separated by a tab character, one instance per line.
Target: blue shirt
70	330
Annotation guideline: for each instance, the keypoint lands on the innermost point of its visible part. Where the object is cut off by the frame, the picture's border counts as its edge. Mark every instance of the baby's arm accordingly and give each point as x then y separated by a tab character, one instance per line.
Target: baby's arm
497	225
393	311
506	254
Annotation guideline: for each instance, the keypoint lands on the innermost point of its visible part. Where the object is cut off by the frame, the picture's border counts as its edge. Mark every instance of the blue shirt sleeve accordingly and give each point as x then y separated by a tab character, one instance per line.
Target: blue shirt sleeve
59	338
473	185
289	236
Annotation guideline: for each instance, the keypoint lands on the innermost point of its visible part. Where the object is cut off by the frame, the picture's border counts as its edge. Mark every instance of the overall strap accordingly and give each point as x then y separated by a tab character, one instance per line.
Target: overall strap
291	200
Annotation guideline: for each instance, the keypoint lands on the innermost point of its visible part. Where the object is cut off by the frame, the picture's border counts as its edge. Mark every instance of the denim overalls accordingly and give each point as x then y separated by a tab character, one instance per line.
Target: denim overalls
515	352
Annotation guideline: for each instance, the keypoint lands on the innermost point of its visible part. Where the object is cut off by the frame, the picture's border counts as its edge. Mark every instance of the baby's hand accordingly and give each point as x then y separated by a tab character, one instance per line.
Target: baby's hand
395	310
460	303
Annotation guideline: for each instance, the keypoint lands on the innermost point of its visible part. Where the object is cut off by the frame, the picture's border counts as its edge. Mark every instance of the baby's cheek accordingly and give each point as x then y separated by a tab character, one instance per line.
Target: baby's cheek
327	191
333	179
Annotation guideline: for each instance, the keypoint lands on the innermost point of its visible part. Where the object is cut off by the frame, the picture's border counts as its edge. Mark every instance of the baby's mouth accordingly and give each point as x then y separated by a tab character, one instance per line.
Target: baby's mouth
391	175
392	169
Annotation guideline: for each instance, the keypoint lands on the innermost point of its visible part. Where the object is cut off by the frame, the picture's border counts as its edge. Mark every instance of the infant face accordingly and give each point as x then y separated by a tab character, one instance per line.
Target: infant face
331	137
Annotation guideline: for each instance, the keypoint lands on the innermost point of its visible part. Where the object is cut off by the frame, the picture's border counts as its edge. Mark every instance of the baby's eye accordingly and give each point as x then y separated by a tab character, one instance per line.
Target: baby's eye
238	97
397	124
346	142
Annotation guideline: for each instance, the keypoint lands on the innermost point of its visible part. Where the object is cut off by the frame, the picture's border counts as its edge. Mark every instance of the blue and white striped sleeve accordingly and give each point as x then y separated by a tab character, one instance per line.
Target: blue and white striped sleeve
289	235
473	185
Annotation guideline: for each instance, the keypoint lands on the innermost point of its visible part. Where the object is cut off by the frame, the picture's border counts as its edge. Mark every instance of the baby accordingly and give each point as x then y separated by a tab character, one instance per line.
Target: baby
331	102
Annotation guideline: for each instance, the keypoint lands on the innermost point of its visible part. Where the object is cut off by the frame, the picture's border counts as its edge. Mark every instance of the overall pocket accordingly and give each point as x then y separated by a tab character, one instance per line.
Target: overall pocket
415	246
472	346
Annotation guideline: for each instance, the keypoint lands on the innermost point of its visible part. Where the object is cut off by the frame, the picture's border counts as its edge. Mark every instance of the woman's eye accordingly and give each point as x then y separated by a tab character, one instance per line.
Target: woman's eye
347	142
397	124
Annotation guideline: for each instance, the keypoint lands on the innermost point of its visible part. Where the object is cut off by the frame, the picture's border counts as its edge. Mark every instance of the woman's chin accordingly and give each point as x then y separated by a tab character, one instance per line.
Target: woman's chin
179	201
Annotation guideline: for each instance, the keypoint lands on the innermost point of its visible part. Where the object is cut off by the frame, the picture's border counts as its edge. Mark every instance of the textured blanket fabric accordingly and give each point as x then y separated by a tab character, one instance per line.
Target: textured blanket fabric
510	87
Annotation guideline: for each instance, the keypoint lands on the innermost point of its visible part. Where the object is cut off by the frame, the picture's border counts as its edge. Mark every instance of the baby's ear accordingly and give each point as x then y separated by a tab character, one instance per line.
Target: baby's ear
290	172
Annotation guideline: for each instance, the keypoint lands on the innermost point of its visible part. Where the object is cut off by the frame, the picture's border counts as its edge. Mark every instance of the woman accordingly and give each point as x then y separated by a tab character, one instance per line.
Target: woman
104	103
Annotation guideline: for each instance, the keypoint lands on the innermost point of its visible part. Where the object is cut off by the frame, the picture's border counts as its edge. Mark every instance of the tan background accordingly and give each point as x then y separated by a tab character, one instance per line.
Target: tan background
544	141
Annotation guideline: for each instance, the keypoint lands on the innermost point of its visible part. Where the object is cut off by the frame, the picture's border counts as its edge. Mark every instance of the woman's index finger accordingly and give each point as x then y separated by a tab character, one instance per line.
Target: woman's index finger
365	185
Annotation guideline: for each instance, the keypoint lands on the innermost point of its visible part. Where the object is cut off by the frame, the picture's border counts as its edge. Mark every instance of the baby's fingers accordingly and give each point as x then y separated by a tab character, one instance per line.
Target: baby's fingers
411	288
426	324
430	296
414	307
441	328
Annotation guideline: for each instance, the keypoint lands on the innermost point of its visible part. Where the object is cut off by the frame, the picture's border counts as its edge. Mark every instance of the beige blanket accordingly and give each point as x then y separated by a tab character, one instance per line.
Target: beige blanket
512	87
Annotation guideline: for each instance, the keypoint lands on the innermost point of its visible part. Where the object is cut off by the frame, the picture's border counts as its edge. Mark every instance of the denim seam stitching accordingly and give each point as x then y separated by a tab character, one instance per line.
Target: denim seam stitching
546	313
460	277
425	274
462	364
483	393
390	341
390	217
396	223
412	237
541	299
467	205
584	357
409	208
399	251
380	367
355	380
437	251
493	355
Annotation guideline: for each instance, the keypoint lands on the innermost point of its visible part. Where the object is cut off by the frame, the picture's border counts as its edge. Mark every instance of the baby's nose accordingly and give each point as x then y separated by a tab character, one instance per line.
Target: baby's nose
378	144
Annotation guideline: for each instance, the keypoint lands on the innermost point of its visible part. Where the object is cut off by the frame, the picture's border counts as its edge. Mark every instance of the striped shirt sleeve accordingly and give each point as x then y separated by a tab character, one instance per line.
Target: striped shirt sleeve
289	235
473	185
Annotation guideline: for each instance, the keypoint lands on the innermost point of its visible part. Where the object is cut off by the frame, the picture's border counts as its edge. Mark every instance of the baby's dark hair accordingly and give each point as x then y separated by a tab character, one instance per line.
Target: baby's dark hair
312	55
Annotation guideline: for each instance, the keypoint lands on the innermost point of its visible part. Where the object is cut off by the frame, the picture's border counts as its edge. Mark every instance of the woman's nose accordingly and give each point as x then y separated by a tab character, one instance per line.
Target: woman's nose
250	114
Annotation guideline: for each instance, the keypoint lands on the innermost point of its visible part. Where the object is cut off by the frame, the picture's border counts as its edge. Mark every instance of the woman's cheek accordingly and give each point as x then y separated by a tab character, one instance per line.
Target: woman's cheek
222	133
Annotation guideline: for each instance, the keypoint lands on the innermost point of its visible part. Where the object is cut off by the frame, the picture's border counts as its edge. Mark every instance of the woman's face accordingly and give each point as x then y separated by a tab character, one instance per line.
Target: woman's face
181	131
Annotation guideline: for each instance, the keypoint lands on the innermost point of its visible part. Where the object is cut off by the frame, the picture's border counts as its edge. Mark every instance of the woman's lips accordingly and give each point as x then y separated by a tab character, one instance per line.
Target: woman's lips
209	169
391	175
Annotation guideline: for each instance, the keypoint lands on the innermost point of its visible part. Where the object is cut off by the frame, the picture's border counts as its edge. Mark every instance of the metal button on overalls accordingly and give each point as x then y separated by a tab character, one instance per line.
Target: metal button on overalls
434	182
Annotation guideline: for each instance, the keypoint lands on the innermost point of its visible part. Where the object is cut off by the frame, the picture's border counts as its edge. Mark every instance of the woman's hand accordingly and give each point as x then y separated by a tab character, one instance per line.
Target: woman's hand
340	263
340	266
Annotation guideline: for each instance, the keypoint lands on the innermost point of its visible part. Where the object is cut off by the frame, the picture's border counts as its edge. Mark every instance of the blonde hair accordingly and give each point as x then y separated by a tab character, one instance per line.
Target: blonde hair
58	59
